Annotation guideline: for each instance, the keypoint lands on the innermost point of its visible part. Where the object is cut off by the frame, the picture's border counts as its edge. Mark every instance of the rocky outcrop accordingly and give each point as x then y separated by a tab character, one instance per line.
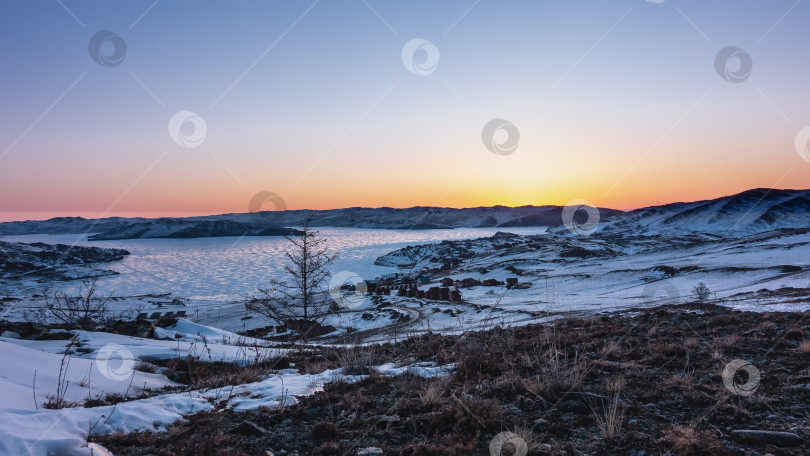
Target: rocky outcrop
55	261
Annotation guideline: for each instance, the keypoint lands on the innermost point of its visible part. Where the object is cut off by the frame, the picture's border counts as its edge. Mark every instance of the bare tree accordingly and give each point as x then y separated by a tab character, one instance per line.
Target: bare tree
83	311
300	301
701	292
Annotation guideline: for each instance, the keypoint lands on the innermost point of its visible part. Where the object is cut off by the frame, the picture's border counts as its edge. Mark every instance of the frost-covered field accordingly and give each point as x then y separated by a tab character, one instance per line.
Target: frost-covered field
210	277
557	274
564	274
105	364
221	270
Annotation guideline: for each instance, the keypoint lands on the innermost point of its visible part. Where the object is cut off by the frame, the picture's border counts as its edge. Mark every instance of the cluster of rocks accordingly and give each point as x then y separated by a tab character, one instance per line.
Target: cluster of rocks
32	331
433	293
55	261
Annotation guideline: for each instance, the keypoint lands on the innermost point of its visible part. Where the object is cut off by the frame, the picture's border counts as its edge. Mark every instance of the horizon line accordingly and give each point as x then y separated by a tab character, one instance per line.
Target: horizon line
215	214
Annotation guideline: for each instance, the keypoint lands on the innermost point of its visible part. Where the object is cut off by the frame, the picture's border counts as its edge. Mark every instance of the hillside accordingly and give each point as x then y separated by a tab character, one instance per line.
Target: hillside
751	211
270	223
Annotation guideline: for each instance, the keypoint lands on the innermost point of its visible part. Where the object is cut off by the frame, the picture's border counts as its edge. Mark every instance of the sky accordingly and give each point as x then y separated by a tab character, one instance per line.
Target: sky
175	107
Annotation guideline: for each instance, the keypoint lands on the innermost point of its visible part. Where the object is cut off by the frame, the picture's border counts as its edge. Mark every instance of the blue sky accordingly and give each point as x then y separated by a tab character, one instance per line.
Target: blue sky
616	102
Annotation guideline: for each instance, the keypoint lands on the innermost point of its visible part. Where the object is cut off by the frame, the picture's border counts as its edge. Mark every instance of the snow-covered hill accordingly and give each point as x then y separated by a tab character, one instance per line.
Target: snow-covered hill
559	273
269	223
751	211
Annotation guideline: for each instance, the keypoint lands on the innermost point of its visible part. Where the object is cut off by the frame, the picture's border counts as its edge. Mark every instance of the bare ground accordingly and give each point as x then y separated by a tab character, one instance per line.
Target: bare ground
637	383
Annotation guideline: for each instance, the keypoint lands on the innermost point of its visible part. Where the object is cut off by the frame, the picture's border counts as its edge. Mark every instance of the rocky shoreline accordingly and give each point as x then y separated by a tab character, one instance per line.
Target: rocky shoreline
55	261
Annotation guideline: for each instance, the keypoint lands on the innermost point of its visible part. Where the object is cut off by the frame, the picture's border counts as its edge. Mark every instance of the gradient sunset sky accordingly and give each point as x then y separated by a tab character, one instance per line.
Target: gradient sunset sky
617	102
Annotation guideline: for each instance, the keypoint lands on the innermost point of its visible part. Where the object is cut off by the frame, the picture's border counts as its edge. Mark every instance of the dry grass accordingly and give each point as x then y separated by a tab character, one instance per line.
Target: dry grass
561	371
686	440
535	386
611	347
615	385
767	325
357	360
435	391
691	343
528	437
503	381
610	418
725	343
217	374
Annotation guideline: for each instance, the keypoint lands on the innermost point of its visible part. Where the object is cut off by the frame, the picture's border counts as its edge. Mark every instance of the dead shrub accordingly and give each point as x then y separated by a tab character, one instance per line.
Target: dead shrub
726	342
610	417
686	441
691	343
434	392
615	385
611	348
357	360
535	387
563	372
478	359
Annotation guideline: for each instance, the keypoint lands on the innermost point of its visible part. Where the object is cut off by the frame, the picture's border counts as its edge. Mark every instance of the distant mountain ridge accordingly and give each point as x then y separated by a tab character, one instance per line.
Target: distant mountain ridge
186	229
751	211
270	223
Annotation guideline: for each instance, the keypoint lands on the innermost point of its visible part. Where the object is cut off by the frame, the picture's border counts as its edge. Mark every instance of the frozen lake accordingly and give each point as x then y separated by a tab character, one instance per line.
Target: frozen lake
228	268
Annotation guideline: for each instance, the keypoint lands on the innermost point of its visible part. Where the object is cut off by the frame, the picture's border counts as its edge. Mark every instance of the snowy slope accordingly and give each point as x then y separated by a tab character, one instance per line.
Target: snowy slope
268	223
33	430
609	270
756	210
28	428
750	211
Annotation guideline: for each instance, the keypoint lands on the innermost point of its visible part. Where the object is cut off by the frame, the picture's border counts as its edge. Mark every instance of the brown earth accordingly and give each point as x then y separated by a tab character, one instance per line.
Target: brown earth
638	383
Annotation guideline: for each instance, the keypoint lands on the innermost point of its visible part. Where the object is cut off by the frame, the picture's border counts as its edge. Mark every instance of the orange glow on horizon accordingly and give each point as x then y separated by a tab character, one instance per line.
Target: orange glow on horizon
621	199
